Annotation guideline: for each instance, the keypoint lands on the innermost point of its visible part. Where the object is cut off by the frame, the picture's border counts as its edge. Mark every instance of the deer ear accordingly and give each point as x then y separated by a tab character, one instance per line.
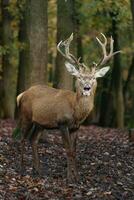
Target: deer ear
71	69
102	72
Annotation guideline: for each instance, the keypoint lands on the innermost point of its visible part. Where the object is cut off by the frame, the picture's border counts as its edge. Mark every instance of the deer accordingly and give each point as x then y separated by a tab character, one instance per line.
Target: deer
42	107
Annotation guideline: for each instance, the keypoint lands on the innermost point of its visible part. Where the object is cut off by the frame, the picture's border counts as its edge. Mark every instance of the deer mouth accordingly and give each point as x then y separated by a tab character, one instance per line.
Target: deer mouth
87	91
87	88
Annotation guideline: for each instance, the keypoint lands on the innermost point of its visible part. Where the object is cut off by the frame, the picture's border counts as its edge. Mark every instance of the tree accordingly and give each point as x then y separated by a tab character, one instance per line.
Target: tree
33	33
65	26
9	59
113	112
23	66
117	79
79	48
131	69
128	86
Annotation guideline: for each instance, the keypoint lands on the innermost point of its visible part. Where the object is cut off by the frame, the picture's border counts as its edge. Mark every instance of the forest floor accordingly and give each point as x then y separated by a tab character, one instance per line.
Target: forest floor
105	163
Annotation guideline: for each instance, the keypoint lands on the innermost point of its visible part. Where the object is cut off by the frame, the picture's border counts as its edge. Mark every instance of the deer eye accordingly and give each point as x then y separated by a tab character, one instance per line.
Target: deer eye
94	79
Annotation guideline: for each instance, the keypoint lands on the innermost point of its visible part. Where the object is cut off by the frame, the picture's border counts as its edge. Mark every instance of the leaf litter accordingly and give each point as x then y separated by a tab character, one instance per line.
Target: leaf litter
105	162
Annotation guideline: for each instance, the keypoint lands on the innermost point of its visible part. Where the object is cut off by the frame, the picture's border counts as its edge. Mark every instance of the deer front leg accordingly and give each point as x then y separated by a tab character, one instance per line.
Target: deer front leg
22	155
74	136
66	137
35	156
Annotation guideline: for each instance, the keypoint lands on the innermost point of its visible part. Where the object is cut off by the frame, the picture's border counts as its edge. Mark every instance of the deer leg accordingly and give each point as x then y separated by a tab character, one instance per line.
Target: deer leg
24	132
69	151
25	128
34	141
74	141
22	154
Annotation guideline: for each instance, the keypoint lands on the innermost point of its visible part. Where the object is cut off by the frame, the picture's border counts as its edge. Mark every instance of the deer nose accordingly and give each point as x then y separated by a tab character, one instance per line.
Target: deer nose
87	88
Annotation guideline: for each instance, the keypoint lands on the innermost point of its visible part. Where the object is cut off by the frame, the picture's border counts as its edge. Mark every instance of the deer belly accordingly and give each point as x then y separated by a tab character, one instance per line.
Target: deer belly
47	119
51	115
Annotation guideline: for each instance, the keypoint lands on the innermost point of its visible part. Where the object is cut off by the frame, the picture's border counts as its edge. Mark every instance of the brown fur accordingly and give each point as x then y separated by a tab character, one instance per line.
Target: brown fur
49	106
54	108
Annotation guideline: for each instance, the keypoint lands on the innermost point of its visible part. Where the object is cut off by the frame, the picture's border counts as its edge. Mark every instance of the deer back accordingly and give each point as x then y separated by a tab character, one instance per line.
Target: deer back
48	106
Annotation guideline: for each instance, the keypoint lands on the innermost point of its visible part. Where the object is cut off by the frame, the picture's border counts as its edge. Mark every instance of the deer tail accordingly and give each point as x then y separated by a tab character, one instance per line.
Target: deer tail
19	98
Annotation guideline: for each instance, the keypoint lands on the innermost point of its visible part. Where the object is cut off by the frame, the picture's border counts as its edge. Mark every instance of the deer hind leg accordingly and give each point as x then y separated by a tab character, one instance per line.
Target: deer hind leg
24	132
66	137
34	142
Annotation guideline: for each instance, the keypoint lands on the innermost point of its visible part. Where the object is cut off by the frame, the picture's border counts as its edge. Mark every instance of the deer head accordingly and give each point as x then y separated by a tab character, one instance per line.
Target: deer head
86	77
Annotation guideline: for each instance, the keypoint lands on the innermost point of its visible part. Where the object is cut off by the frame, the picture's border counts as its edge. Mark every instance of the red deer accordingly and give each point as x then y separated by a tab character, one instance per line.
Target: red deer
48	108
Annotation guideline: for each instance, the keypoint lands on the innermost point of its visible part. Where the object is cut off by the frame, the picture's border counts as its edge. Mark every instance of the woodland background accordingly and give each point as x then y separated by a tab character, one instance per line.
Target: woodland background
29	33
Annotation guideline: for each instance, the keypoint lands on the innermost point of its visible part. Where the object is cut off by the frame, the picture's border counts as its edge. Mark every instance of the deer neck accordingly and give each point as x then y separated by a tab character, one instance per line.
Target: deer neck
84	104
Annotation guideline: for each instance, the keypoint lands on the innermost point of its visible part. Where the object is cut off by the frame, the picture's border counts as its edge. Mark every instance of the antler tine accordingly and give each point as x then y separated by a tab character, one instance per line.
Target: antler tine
66	44
105	39
106	57
82	64
70	57
58	48
111	45
74	59
78	62
79	59
103	45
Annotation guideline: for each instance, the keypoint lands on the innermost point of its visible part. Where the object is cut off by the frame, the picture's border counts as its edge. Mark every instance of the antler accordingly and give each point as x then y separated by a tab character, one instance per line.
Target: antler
69	56
106	57
73	60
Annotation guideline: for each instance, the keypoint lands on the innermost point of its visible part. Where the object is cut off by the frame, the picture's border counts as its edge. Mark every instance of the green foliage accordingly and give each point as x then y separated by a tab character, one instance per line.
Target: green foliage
16	133
4	50
16	8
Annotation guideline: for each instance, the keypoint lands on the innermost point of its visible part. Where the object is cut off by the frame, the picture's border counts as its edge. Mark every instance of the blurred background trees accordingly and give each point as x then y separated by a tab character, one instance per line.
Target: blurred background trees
65	26
30	31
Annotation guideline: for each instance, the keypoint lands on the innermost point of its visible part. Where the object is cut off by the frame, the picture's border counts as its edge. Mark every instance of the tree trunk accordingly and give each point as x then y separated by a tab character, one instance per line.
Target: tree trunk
127	90
112	103
33	32
131	69
105	117
79	47
8	65
128	81
23	68
33	35
38	41
65	26
1	74
132	9
117	81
